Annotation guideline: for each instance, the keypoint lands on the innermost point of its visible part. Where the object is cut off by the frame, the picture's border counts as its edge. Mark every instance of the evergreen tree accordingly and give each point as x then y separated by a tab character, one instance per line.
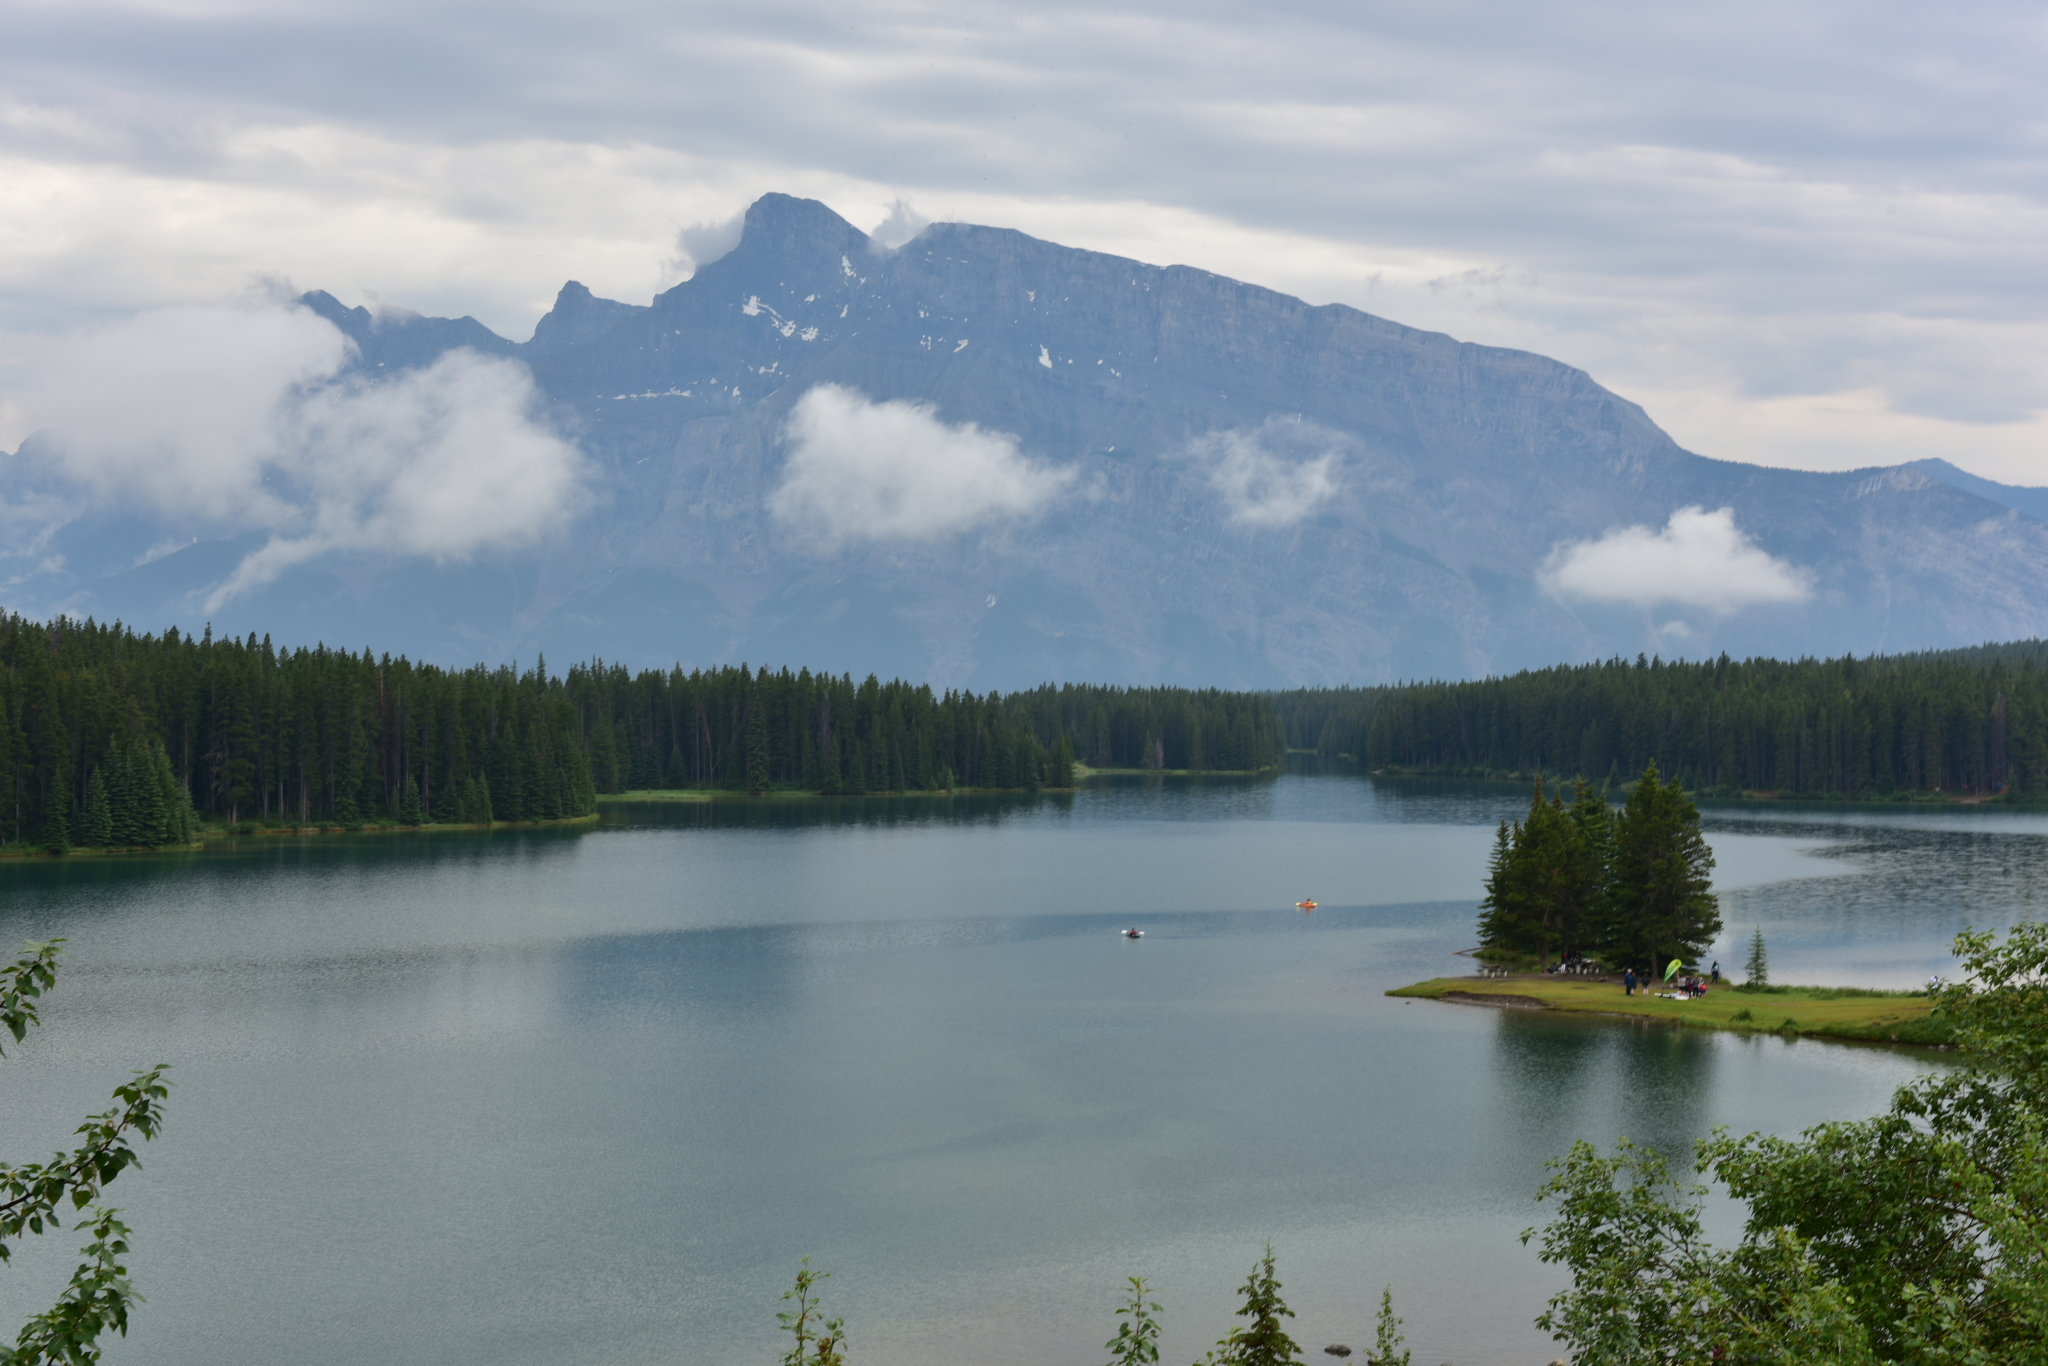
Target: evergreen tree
756	744
167	807
1658	903
1261	1340
409	812
1062	775
98	828
1500	914
1757	971
56	837
134	804
1546	876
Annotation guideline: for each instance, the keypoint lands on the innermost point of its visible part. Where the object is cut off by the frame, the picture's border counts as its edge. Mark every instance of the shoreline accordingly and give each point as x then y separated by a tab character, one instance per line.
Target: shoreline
216	835
725	794
1917	800
1839	1013
1082	773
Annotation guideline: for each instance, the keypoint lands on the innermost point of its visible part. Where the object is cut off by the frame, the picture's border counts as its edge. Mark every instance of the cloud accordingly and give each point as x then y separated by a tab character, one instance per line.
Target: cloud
1274	476
698	245
243	419
892	471
1862	214
1700	559
178	410
902	224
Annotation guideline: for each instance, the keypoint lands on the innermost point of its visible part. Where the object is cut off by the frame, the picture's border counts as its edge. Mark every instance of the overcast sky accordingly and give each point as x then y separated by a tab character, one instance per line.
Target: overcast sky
1798	233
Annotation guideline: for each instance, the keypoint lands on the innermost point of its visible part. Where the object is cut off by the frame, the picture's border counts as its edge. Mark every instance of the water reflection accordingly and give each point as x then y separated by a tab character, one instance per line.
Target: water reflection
620	1077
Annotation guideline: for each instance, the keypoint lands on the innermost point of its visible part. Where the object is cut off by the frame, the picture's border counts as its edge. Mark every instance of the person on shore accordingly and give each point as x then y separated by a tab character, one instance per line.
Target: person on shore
1628	981
1717	972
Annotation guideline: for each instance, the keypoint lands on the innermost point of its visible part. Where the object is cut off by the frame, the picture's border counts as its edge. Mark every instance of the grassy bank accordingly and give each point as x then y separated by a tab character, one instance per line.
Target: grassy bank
1817	1012
1919	797
1082	770
699	794
253	830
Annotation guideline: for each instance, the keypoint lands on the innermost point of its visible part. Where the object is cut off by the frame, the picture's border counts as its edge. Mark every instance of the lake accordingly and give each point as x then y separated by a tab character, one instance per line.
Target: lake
530	1096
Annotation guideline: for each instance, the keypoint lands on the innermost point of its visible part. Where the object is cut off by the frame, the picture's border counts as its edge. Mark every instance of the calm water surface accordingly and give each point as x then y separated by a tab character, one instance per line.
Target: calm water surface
529	1097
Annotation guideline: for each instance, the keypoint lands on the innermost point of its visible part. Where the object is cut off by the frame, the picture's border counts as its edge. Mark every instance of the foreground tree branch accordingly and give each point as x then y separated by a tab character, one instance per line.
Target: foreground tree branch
34	1196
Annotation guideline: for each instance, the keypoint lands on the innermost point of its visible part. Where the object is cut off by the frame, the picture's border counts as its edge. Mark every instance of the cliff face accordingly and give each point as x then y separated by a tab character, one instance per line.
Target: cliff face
1233	487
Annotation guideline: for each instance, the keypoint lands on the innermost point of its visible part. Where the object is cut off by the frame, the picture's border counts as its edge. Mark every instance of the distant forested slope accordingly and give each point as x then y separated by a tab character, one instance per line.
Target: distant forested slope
252	732
1961	721
97	719
820	733
104	733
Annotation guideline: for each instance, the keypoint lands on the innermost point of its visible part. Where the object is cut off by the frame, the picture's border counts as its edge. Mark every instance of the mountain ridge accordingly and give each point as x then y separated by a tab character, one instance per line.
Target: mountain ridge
1250	490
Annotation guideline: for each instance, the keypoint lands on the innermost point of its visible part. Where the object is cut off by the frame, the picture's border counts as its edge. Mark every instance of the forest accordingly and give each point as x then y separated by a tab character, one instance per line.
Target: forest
729	728
111	738
116	739
1969	722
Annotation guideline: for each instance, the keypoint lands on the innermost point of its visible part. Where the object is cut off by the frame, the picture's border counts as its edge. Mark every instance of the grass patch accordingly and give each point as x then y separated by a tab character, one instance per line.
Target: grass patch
1816	1012
1082	770
664	795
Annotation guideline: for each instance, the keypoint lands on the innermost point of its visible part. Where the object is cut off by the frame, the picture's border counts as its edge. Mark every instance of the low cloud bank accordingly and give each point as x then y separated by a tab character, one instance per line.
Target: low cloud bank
1272	476
1700	559
699	244
902	223
865	471
240	419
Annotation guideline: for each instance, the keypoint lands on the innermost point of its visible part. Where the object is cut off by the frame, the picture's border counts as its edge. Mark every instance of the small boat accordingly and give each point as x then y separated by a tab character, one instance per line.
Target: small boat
1308	905
1132	933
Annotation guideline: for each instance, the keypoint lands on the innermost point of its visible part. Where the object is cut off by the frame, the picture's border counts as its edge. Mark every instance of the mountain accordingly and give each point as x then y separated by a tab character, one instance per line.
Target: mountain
1092	468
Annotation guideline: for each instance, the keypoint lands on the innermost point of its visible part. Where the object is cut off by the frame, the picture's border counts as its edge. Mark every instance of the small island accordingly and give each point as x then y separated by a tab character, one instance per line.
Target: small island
1817	1012
1589	909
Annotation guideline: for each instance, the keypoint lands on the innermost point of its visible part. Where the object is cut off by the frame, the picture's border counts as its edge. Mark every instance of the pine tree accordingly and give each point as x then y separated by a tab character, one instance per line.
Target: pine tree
128	807
98	828
167	806
757	743
1500	926
1757	971
409	812
56	829
1659	904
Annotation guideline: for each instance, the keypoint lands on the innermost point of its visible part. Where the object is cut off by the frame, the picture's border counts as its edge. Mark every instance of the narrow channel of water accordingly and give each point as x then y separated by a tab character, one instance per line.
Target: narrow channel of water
527	1096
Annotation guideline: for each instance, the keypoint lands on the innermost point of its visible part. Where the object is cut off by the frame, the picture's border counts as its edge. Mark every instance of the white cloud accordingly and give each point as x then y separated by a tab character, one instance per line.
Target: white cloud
699	244
242	419
1700	559
867	471
179	410
1274	476
1860	218
902	224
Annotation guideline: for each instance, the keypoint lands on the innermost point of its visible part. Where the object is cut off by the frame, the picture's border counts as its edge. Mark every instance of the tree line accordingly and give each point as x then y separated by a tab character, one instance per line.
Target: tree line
736	729
1965	721
113	738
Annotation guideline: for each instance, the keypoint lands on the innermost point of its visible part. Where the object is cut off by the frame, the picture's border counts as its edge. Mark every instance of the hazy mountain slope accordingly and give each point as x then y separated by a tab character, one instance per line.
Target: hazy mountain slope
1244	489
